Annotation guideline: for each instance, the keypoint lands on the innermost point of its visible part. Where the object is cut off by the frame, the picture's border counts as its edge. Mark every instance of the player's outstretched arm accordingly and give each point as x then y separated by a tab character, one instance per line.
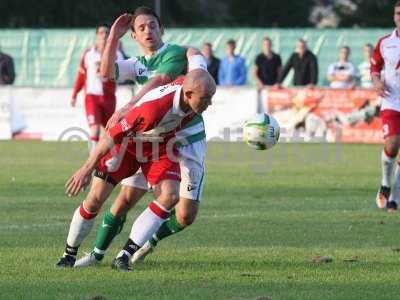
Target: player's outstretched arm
80	80
79	181
195	60
118	30
156	81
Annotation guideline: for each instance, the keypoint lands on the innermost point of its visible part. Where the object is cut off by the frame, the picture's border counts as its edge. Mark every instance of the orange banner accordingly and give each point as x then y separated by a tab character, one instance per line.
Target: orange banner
334	115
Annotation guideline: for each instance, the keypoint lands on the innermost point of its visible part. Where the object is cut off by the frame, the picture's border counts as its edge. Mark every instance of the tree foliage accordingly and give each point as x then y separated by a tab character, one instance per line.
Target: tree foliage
179	13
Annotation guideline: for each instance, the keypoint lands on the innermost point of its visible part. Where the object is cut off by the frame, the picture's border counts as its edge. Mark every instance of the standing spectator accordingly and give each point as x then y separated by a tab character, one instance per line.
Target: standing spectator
268	65
7	72
304	64
212	61
342	74
232	70
364	68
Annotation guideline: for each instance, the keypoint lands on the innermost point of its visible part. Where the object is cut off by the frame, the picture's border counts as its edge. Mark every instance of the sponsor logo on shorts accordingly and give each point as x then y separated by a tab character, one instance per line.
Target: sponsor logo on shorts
191	187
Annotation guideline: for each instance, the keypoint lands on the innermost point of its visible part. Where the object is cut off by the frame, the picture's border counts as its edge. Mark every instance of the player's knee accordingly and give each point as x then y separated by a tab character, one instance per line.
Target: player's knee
92	203
185	219
127	197
168	199
172	197
120	206
130	196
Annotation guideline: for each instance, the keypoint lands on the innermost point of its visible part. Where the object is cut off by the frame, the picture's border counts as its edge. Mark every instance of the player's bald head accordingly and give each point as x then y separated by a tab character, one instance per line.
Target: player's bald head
198	87
199	80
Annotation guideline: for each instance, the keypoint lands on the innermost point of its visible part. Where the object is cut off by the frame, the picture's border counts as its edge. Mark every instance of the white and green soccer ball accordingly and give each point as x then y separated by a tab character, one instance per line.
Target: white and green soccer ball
261	131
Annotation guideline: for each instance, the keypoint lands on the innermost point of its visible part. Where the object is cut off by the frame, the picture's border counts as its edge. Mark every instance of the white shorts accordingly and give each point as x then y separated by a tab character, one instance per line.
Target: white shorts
191	162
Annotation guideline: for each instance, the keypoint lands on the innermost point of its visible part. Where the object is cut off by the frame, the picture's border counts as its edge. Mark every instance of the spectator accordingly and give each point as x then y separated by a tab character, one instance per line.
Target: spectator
305	66
7	72
342	74
268	65
212	61
232	70
364	74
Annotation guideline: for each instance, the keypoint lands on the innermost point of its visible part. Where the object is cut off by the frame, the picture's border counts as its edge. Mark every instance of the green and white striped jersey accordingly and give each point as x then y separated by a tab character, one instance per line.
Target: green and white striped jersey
170	60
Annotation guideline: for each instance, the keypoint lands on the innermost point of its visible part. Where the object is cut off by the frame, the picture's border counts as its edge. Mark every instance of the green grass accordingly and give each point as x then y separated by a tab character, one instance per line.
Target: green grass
264	216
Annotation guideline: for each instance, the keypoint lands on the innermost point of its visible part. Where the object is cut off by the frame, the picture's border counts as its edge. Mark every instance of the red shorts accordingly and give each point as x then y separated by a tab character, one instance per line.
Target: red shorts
99	109
114	168
390	122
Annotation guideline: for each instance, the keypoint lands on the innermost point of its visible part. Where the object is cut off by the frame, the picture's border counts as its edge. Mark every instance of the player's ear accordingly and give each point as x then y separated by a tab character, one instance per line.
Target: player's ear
162	30
188	94
133	35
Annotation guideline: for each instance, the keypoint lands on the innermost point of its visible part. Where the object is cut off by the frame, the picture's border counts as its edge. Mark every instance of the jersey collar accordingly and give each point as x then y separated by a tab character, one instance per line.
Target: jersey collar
159	50
395	34
176	109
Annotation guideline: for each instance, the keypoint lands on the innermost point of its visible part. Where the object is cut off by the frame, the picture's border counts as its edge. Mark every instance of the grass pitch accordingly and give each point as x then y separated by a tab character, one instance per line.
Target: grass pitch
264	217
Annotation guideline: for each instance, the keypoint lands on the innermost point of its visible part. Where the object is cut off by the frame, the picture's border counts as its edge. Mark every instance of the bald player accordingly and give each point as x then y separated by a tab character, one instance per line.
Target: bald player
127	146
141	234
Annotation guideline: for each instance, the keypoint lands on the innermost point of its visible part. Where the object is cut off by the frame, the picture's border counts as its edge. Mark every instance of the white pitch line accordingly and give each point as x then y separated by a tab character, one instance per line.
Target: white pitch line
30	226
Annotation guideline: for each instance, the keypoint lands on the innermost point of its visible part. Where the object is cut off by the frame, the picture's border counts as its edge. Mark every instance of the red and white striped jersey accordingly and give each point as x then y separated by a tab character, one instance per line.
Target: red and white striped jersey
156	115
386	58
89	75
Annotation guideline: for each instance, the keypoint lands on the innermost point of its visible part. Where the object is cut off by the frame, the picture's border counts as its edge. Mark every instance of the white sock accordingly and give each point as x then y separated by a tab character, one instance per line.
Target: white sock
387	168
148	223
395	191
81	224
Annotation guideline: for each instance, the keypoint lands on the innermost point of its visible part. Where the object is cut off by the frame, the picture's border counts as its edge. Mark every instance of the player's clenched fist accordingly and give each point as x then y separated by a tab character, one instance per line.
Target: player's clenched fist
116	117
121	26
78	182
380	88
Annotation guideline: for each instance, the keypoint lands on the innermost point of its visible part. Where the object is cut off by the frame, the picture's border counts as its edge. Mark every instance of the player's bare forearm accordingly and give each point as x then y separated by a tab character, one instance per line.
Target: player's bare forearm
101	149
107	65
81	178
117	31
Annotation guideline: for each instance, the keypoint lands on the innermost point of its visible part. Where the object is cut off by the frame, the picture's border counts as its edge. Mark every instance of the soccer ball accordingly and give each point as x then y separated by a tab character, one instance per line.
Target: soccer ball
261	131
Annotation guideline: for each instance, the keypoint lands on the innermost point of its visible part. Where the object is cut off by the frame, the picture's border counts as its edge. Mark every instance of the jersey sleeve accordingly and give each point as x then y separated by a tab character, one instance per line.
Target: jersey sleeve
377	61
141	118
126	69
174	62
80	77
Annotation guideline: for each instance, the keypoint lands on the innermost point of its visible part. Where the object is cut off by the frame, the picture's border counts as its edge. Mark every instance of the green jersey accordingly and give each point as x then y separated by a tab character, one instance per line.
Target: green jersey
169	60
